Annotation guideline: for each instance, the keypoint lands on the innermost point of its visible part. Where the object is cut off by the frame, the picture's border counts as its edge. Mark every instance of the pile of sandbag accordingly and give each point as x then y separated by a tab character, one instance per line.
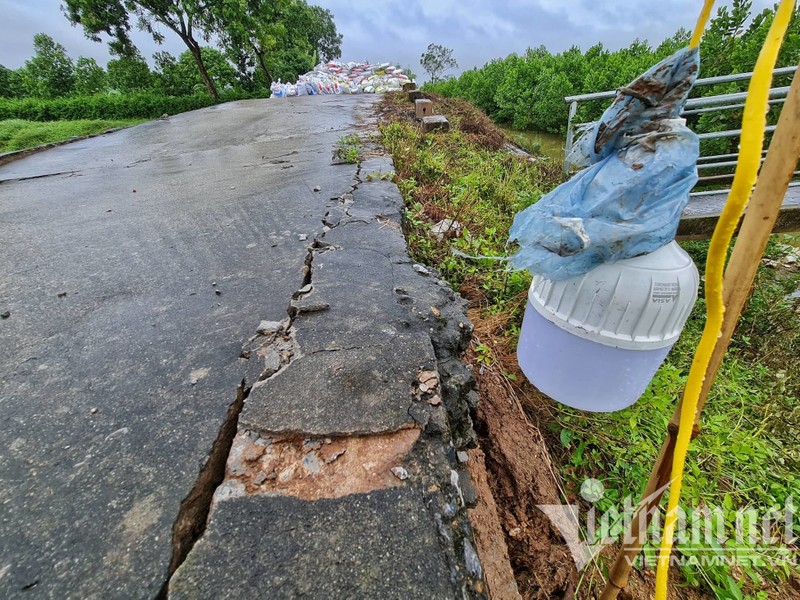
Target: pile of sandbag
344	78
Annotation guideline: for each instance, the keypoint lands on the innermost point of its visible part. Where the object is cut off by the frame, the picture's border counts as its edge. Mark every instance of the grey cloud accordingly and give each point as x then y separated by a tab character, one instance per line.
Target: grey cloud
22	20
480	31
400	30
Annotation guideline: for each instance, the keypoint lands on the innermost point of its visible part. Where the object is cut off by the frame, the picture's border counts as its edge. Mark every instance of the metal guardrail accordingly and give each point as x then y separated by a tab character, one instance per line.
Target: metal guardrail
694	106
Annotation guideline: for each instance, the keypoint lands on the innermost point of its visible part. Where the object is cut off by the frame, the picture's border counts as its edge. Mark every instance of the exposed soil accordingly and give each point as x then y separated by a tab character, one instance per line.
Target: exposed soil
520	477
462	115
490	538
311	468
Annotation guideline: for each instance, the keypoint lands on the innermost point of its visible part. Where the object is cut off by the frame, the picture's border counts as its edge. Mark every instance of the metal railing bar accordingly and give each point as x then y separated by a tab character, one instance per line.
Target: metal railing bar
594	96
728	176
742	76
722	98
724	156
697	111
705	81
729	133
700	180
719	165
711	135
725	191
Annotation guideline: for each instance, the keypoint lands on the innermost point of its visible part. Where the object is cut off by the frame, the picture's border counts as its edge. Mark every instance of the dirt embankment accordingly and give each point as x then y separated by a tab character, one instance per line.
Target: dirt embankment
522	552
520	477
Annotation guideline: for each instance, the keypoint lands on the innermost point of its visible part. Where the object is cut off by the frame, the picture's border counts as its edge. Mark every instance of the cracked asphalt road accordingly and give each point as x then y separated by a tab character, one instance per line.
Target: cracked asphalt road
134	266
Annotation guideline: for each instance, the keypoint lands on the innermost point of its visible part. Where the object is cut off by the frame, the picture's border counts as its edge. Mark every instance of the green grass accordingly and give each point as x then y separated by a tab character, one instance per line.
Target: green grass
747	454
16	134
447	176
348	149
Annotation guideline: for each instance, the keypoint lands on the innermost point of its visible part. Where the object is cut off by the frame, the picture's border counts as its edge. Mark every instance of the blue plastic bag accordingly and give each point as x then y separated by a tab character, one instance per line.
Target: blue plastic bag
642	164
278	89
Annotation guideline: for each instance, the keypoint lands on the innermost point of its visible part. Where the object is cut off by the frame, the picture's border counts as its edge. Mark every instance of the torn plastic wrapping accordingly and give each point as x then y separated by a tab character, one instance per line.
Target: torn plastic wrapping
642	163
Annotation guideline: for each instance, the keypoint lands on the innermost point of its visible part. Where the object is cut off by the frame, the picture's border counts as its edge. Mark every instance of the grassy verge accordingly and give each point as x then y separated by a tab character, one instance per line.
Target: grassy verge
747	455
16	134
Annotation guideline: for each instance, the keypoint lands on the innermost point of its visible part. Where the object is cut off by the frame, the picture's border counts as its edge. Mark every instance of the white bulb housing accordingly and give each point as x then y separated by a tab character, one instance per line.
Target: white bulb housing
595	341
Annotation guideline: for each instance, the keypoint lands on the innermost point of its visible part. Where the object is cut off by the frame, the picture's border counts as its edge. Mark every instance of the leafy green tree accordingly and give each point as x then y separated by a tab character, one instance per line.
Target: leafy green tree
112	17
129	74
320	32
250	30
50	72
179	76
287	64
16	83
245	66
90	78
720	38
6	75
310	37
221	72
282	38
436	60
167	76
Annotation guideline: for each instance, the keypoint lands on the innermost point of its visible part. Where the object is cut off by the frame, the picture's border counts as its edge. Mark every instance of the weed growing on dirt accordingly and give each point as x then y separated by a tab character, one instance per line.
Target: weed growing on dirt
348	149
747	454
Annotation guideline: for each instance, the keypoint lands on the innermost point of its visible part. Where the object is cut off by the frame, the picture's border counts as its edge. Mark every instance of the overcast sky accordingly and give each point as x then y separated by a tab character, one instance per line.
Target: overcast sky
400	30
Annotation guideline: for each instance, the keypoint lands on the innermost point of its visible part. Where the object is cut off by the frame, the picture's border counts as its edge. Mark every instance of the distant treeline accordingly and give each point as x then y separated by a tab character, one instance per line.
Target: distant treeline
51	74
527	92
258	41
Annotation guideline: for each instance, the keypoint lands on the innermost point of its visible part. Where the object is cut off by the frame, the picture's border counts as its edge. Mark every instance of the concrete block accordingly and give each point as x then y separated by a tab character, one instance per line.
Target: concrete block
435	123
424	108
414	95
409	87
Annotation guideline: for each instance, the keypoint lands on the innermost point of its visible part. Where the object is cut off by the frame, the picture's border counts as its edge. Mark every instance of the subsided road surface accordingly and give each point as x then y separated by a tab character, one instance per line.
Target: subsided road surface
136	269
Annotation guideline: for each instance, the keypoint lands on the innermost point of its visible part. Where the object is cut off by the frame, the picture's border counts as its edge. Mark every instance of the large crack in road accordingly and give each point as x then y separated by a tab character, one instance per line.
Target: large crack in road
131	290
134	313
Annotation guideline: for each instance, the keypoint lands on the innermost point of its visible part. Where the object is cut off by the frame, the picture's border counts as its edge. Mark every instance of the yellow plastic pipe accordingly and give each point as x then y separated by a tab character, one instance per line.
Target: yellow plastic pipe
752	140
701	24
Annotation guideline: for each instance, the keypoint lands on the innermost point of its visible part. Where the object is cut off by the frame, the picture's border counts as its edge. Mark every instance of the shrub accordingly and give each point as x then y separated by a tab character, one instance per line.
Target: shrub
106	106
527	91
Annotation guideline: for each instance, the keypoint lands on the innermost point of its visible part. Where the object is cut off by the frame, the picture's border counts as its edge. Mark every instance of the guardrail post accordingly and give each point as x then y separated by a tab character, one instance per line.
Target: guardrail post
573	108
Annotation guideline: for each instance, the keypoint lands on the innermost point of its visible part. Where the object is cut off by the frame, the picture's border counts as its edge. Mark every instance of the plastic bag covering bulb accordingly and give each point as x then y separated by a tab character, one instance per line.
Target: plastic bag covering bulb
642	163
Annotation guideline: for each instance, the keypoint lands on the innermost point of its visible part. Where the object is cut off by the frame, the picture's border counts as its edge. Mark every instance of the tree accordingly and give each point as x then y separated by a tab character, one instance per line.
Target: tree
322	35
252	27
310	37
50	72
179	77
90	78
282	37
112	17
166	75
436	60
5	82
220	70
245	66
287	64
129	73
